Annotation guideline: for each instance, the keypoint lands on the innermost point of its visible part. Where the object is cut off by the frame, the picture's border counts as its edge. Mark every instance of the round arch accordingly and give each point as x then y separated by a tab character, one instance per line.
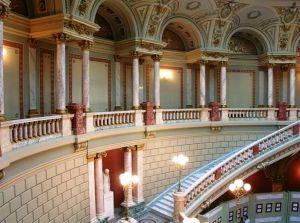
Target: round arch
124	11
257	33
198	32
295	43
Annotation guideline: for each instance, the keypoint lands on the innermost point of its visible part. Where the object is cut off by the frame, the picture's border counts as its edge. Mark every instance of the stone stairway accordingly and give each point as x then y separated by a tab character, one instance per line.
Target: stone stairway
163	205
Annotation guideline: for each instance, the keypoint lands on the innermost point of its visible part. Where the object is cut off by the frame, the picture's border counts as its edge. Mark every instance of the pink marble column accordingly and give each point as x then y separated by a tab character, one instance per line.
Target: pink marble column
270	85
202	91
99	186
92	199
138	190
128	168
292	85
3	14
118	106
135	80
85	49
156	61
224	84
60	75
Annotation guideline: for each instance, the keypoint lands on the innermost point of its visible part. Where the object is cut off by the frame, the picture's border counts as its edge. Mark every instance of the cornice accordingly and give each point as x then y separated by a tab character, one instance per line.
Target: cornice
17	25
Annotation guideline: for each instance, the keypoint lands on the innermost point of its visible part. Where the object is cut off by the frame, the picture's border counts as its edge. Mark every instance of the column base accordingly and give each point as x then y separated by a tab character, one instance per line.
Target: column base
118	108
102	219
136	107
156	107
87	110
223	106
261	106
61	111
292	106
202	106
189	106
270	106
3	118
33	113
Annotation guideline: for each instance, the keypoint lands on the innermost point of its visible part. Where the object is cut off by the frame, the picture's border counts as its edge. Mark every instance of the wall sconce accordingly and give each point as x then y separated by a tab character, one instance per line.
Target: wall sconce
165	74
4	52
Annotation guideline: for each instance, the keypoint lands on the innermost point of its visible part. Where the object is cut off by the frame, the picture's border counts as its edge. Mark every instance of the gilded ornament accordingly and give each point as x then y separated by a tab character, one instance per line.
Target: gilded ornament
84	6
4	11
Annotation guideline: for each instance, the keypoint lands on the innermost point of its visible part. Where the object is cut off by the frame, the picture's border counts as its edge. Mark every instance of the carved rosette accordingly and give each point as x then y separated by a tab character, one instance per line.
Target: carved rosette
156	58
60	37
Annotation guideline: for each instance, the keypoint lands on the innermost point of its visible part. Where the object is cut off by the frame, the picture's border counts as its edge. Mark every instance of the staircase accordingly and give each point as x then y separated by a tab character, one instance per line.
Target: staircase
204	183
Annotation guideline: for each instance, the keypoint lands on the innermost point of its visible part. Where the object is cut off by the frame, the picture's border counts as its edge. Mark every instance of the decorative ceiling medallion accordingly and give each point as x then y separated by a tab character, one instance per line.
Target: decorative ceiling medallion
193	5
254	14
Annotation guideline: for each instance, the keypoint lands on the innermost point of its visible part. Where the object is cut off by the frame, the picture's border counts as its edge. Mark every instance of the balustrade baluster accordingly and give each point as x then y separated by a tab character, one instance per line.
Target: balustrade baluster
44	128
20	132
30	130
15	133
25	131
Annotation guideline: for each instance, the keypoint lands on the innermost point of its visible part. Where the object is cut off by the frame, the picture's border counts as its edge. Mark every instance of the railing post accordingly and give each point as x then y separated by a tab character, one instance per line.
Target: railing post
215	111
204	115
149	114
293	114
78	125
282	111
138	118
89	122
271	114
178	204
158	117
5	143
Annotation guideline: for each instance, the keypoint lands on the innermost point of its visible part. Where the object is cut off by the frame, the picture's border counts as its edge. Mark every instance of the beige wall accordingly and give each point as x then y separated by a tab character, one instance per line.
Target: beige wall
54	192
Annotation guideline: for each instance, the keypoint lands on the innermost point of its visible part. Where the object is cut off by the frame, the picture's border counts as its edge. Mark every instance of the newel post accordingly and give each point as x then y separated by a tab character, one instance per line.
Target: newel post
215	111
179	199
78	123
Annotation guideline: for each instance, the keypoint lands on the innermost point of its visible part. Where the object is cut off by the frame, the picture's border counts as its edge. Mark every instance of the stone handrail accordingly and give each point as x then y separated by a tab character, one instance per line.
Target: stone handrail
238	158
247	113
173	115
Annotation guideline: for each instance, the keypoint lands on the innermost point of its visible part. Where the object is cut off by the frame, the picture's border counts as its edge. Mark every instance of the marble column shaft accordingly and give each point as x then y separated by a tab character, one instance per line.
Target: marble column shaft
138	195
60	80
212	83
135	81
292	85
32	67
223	85
92	199
261	88
189	85
1	71
270	86
128	168
118	81
141	80
85	49
99	187
202	79
156	61
284	92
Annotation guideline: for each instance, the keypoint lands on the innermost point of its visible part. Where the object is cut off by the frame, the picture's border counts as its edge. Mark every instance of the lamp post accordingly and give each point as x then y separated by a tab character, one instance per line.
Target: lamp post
180	161
127	181
239	189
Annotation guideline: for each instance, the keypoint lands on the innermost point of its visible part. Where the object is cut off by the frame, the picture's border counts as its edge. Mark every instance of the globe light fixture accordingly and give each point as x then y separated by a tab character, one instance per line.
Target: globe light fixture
180	161
238	188
127	181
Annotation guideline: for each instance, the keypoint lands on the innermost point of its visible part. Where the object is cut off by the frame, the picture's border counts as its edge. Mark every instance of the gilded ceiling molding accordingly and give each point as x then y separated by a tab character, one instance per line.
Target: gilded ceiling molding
80	29
282	59
214	56
83	6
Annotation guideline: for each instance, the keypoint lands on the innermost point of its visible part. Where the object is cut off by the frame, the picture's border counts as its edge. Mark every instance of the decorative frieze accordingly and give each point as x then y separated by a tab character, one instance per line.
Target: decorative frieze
83	6
80	146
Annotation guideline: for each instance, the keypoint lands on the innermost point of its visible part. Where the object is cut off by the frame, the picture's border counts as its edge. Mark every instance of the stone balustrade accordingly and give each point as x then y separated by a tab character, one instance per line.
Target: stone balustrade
238	159
183	115
248	114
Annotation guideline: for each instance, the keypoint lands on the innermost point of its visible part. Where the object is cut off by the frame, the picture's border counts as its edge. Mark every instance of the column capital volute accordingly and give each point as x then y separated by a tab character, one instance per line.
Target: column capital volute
32	42
135	55
100	155
85	44
292	66
60	37
141	61
270	65
4	11
129	148
156	58
224	63
203	62
117	58
189	66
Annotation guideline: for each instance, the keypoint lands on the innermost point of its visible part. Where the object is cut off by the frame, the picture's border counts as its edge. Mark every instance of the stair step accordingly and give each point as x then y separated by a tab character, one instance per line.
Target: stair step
164	207
165	213
166	202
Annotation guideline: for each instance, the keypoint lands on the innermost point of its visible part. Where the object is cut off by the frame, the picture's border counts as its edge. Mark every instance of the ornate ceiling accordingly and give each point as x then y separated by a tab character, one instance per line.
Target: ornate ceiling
274	25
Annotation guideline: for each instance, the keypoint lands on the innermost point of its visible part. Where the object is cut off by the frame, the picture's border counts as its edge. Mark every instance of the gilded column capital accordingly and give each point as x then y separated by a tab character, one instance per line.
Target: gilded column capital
135	55
224	63
141	61
60	37
117	58
140	147
270	65
100	155
85	44
4	11
129	148
203	62
292	66
32	42
189	66
156	58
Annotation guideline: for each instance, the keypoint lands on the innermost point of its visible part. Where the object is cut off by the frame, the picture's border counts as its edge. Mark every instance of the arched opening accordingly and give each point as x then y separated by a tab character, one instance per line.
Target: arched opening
245	47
